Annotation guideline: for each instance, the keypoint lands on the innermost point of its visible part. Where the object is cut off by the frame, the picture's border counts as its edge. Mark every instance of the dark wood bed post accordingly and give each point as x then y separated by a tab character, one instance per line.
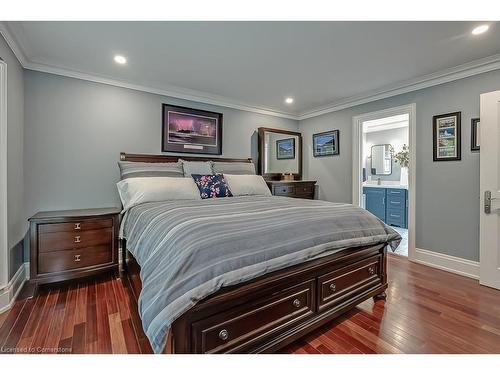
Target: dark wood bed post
383	295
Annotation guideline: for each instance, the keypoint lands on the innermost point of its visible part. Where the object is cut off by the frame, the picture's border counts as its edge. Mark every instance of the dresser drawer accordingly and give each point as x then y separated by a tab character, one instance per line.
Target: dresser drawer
56	241
304	189
226	332
395	217
341	284
57	261
284	190
77	226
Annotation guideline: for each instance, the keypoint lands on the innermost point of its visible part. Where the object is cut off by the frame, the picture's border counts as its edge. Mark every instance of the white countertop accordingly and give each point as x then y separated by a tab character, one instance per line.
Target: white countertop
386	186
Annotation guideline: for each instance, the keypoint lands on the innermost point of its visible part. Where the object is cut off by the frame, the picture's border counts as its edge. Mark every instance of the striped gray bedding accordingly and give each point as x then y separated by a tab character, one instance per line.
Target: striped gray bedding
188	250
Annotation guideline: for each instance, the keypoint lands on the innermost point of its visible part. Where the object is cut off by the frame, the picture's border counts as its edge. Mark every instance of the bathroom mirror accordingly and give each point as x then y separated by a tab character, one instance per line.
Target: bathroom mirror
381	160
280	152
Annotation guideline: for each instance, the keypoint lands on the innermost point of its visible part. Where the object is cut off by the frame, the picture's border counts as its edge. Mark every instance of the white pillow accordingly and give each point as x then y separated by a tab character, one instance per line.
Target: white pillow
247	184
156	189
196	167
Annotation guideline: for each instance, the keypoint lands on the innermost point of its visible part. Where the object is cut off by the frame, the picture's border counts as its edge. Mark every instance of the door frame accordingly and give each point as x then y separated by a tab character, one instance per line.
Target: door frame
357	149
4	259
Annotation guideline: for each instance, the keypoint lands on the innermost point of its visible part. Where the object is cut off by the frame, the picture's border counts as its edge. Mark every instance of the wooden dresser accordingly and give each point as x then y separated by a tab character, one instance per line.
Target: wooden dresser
70	244
292	189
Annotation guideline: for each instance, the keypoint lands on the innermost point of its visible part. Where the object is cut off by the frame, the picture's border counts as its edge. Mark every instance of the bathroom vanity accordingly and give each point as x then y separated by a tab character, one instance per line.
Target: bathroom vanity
388	202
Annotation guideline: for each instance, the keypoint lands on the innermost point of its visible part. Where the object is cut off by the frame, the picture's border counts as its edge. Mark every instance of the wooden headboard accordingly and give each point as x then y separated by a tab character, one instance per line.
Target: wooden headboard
173	158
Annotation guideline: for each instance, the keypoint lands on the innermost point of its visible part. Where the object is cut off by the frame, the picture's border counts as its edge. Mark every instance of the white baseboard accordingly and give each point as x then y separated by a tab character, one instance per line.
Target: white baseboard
448	263
9	293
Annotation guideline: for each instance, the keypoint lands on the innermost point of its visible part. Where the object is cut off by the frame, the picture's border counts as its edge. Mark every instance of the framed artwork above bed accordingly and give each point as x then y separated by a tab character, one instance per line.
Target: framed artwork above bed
191	130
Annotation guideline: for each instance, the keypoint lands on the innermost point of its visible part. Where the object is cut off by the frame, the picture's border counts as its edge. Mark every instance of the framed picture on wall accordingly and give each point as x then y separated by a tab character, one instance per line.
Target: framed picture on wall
474	134
285	149
446	137
191	130
326	143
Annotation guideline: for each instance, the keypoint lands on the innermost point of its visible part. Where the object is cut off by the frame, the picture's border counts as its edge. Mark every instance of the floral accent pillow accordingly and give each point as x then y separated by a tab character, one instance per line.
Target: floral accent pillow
212	186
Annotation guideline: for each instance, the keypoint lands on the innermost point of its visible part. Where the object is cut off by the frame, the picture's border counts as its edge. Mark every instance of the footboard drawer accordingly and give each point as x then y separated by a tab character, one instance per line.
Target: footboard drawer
340	285
234	330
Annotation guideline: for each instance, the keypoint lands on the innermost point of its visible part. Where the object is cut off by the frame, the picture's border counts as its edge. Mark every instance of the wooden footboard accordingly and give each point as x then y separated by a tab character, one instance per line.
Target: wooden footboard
267	313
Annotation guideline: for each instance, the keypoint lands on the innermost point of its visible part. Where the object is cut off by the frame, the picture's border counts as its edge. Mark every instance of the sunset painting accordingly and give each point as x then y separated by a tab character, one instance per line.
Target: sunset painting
191	130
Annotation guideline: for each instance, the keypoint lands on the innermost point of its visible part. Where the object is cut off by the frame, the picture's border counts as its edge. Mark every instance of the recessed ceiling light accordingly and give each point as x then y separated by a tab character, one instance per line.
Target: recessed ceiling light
289	100
480	29
119	59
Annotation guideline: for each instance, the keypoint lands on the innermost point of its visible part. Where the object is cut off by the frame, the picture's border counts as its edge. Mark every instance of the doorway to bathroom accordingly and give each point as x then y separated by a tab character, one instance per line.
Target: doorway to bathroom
383	170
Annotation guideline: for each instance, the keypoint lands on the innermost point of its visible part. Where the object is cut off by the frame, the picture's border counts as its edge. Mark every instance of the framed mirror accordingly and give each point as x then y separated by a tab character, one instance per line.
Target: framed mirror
381	159
280	151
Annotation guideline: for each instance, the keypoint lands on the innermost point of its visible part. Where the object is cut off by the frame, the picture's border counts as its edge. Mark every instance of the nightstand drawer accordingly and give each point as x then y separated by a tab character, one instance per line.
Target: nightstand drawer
77	226
56	241
58	261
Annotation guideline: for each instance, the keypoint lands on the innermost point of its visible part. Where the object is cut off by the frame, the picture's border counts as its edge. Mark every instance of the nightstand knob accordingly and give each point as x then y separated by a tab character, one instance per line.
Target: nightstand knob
223	335
333	287
78	226
296	302
371	270
77	239
77	258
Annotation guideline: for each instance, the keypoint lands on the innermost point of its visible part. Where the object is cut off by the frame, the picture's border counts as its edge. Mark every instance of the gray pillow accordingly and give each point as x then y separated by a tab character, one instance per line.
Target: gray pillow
130	169
196	167
233	168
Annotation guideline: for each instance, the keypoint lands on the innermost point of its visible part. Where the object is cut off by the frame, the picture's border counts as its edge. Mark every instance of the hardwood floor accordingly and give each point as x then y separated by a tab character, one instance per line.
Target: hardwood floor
427	311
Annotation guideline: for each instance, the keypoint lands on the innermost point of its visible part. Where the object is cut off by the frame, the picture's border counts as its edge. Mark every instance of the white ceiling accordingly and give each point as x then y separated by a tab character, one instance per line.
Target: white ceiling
256	64
386	123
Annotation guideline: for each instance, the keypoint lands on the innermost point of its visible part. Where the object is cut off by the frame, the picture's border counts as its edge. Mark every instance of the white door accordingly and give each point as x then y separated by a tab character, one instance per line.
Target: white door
489	240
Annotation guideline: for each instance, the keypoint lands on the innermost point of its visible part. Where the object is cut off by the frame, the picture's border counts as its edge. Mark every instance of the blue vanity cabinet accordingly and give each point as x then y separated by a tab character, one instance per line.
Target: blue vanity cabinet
388	204
396	207
375	201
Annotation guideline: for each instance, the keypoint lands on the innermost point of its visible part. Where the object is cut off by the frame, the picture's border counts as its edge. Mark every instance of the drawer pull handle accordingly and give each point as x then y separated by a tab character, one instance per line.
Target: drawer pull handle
371	270
333	287
77	258
78	226
392	215
78	239
393	202
296	302
223	335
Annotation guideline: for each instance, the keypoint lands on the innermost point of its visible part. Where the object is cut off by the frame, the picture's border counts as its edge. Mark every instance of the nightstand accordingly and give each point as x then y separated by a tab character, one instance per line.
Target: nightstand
292	189
70	244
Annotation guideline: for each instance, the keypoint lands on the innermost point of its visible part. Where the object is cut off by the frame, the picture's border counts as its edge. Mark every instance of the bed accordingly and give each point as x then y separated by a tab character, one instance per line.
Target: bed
248	274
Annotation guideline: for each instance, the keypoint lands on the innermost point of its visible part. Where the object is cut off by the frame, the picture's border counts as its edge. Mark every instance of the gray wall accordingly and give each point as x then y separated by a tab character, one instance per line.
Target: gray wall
395	137
75	130
447	193
15	122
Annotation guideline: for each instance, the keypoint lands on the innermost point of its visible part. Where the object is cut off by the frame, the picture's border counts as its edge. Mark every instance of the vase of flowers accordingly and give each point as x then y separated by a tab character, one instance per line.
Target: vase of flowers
403	159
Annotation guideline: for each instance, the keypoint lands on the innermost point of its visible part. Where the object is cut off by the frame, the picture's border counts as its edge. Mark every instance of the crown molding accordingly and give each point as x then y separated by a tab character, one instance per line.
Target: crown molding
472	68
12	43
178	93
